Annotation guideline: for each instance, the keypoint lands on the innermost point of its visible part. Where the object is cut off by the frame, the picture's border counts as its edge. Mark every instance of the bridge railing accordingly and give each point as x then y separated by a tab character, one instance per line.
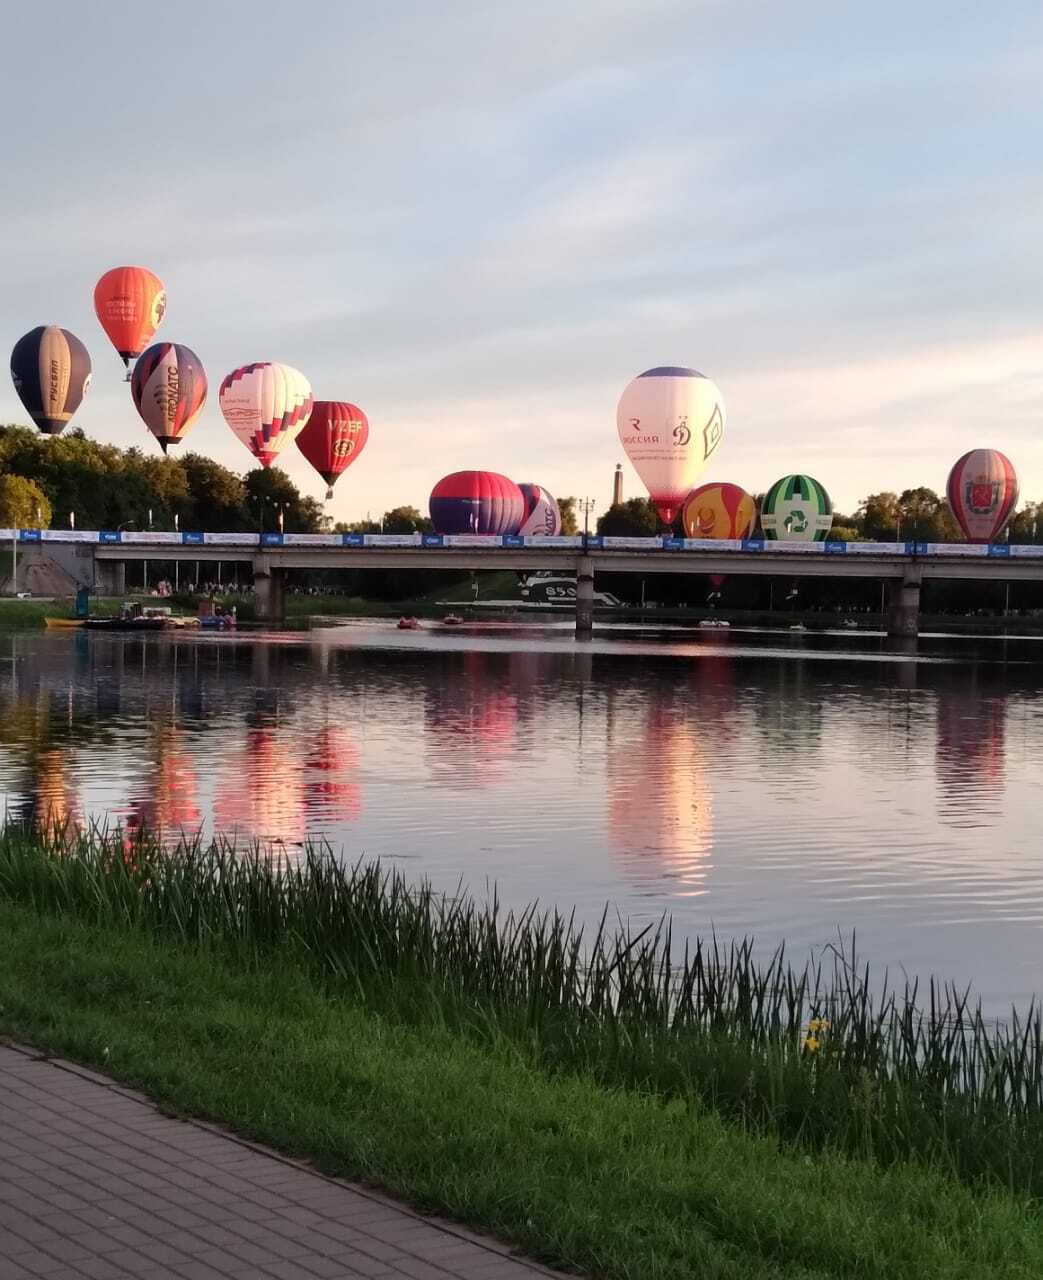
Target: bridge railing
576	542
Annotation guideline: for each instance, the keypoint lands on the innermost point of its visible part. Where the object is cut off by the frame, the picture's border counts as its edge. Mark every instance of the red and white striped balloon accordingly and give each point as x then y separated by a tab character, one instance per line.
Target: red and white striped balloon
983	492
266	405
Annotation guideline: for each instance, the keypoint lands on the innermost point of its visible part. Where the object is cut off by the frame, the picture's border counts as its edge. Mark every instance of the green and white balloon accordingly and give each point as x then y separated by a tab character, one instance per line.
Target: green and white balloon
796	509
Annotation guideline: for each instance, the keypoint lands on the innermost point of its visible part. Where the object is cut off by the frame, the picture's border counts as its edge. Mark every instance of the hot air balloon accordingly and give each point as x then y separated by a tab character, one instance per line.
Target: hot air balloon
266	405
477	502
796	509
334	436
169	391
670	421
542	516
130	302
719	511
51	371
983	492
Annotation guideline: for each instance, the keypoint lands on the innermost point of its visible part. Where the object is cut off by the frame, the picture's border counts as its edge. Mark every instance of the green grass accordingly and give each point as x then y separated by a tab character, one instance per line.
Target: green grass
886	1080
24	614
614	1182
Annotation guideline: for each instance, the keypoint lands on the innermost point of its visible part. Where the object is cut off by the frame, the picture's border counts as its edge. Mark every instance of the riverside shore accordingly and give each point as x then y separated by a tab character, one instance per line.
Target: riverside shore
510	1076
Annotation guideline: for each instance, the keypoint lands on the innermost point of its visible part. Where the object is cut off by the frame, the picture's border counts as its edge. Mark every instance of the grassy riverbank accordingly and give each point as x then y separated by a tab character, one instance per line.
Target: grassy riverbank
572	1098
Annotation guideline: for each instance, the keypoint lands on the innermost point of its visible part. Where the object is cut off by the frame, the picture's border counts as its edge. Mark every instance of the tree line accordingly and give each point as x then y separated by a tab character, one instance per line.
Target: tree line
914	515
70	480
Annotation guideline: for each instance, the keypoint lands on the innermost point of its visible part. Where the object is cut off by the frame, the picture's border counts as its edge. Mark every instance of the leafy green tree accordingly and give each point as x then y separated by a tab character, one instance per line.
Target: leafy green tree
216	496
569	518
1027	524
879	515
357	526
23	504
635	518
269	490
406	520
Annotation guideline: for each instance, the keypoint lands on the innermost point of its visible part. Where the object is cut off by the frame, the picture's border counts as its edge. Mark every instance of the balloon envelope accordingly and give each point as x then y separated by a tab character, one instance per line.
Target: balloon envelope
719	511
983	492
796	509
670	421
476	502
130	302
333	437
51	371
266	405
169	390
542	516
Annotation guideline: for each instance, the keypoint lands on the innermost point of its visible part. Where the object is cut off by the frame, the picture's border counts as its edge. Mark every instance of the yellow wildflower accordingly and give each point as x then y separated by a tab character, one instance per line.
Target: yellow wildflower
812	1044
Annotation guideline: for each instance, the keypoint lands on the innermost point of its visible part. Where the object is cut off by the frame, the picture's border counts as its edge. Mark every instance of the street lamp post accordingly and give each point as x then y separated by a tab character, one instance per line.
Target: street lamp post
586	505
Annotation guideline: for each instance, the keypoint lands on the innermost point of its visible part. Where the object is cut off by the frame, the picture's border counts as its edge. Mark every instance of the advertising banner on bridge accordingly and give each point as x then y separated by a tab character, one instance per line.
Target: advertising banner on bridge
470	540
951	548
794	548
706	544
632	544
551	540
1026	550
876	548
223	539
397	539
68	535
352	539
109	535
194	539
834	547
7	535
148	536
312	540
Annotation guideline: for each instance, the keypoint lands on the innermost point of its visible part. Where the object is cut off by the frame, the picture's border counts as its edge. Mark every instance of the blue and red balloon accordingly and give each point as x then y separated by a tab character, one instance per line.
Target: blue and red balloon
481	502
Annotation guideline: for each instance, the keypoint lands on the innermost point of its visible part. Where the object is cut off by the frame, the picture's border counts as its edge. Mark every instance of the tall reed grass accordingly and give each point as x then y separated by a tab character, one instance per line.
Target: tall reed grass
822	1054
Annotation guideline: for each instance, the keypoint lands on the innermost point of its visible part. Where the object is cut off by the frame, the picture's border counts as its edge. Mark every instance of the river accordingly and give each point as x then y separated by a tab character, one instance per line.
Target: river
790	786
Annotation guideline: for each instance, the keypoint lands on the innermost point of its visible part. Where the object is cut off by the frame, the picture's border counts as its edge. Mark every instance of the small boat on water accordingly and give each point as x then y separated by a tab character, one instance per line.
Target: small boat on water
408	624
58	624
125	624
714	622
452	620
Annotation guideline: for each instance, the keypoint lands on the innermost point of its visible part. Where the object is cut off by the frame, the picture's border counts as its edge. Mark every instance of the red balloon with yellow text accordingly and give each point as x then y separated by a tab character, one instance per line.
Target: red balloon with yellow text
335	435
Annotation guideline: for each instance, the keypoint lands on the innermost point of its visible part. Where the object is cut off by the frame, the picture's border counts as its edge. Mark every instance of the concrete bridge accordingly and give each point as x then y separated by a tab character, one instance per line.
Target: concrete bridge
99	560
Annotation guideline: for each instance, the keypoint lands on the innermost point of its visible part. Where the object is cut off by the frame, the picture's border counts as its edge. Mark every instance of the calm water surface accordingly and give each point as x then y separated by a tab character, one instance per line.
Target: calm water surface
790	786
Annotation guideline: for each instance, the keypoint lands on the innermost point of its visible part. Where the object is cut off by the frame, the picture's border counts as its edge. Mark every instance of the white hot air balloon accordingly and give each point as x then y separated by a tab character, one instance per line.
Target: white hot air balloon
670	421
266	405
542	516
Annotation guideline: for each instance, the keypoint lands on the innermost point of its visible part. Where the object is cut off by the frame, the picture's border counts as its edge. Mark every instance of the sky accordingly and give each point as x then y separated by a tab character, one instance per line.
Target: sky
479	221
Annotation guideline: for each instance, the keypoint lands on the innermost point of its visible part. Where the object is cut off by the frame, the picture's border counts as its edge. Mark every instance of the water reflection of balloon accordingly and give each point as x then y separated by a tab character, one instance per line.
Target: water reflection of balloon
56	803
983	492
796	509
970	756
331	788
332	438
169	390
660	801
670	421
481	502
165	801
260	790
51	371
470	719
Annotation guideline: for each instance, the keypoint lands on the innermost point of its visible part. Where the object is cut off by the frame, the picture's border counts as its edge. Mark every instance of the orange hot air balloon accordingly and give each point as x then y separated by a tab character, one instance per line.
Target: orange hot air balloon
130	302
719	511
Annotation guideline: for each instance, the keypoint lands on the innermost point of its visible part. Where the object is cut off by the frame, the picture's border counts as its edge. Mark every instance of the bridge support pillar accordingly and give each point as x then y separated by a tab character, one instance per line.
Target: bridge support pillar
903	605
269	591
110	577
584	598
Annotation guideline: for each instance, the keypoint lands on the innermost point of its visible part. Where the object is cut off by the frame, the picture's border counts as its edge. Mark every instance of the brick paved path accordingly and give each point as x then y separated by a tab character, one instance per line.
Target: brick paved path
94	1182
